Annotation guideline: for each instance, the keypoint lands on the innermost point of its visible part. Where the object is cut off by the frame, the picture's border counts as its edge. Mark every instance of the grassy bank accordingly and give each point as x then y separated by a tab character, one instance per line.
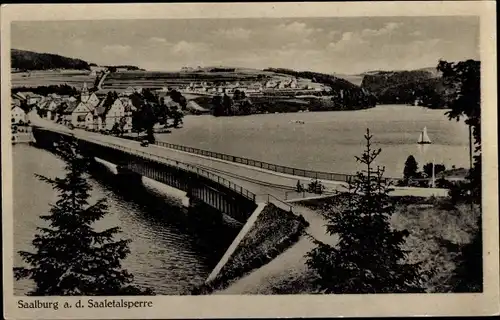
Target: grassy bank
273	232
438	232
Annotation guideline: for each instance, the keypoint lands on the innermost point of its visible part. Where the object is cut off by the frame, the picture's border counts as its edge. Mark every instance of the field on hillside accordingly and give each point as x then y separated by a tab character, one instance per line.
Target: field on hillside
73	78
156	79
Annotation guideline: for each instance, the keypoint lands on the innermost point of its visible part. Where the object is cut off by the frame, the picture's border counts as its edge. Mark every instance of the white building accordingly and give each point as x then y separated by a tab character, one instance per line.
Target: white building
18	115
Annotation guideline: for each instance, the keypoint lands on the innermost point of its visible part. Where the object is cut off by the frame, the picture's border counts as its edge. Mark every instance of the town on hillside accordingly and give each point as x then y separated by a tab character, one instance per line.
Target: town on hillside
87	109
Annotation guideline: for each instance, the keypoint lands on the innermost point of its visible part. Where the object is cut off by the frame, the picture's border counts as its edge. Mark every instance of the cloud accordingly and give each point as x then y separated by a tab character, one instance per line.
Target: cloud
187	48
416	33
349	40
116	49
298	29
386	29
157	40
234	33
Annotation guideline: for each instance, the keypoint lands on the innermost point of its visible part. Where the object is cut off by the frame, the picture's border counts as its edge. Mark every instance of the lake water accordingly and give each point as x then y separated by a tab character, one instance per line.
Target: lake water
329	141
168	252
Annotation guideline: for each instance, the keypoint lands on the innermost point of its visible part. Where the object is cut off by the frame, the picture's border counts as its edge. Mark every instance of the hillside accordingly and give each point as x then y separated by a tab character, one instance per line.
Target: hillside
404	87
29	60
344	92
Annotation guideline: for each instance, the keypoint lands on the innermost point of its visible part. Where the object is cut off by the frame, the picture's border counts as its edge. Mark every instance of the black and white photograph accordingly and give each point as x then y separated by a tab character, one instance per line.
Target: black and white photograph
221	156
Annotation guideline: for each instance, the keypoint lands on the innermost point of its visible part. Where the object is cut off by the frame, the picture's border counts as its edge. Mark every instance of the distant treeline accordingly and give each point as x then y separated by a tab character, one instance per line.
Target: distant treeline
28	60
128	67
222	70
62	90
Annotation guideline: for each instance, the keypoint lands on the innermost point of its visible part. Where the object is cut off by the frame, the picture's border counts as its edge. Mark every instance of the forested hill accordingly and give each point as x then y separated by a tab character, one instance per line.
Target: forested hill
29	60
346	92
405	87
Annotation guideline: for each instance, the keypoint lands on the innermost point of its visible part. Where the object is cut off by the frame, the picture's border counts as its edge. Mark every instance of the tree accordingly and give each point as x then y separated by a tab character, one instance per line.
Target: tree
411	169
217	109
438	168
227	103
71	257
368	257
462	83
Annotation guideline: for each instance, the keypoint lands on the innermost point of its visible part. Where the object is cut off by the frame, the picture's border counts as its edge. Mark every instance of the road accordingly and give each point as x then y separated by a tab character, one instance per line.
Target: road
259	181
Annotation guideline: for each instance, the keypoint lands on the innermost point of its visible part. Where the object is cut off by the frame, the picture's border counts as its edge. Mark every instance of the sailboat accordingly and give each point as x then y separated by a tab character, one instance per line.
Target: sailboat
424	138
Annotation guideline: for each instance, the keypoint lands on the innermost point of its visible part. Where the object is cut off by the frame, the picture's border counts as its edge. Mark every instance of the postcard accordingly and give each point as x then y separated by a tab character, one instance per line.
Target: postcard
215	160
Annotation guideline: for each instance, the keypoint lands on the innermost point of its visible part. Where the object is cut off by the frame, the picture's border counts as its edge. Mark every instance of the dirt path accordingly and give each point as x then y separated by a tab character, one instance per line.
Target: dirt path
288	271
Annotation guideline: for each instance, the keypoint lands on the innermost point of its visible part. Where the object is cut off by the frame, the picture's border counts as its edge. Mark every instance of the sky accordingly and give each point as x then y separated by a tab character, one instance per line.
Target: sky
349	45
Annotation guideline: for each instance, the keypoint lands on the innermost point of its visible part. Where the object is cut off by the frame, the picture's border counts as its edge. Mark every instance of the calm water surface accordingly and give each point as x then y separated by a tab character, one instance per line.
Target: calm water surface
328	141
167	254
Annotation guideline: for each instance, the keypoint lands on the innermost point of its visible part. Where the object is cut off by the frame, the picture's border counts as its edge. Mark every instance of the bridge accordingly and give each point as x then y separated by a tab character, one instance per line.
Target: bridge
231	184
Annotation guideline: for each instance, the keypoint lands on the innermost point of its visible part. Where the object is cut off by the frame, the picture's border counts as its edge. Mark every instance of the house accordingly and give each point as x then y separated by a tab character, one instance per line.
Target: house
73	112
15	102
19	96
32	98
89	98
105	117
58	114
51	107
128	105
128	92
86	120
18	116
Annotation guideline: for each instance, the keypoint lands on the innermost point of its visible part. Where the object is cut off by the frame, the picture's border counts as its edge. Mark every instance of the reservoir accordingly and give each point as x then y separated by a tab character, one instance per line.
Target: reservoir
329	141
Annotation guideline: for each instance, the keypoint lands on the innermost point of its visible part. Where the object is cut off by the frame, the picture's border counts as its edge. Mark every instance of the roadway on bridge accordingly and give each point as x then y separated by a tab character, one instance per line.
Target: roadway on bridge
257	180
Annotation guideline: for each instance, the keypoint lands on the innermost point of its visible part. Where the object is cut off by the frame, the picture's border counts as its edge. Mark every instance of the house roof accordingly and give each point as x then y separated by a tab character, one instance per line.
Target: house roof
100	110
43	104
71	106
19	95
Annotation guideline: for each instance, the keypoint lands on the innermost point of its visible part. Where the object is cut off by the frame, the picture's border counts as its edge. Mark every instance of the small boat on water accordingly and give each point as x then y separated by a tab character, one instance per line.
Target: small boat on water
424	138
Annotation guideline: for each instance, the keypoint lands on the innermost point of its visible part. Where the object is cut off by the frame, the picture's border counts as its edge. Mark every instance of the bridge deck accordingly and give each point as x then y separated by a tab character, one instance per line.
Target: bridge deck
259	181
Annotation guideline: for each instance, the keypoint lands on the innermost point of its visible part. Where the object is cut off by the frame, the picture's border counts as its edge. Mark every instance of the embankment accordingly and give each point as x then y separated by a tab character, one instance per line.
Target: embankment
268	232
438	232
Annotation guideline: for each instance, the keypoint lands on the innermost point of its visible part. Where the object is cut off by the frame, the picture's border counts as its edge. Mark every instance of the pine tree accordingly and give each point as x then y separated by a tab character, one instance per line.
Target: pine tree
368	257
411	169
71	257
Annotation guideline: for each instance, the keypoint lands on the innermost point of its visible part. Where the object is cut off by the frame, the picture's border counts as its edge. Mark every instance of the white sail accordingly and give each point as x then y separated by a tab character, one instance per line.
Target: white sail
424	138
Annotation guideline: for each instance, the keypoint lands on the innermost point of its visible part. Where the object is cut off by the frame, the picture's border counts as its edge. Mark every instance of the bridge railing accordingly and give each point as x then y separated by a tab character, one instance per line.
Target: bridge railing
181	165
191	168
261	164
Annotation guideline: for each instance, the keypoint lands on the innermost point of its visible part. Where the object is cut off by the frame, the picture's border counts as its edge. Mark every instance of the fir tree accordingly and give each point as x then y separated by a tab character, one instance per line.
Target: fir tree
411	169
71	257
368	257
462	82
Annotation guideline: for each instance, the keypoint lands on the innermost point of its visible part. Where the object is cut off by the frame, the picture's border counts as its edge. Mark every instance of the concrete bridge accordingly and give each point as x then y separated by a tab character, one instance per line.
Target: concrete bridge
222	181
